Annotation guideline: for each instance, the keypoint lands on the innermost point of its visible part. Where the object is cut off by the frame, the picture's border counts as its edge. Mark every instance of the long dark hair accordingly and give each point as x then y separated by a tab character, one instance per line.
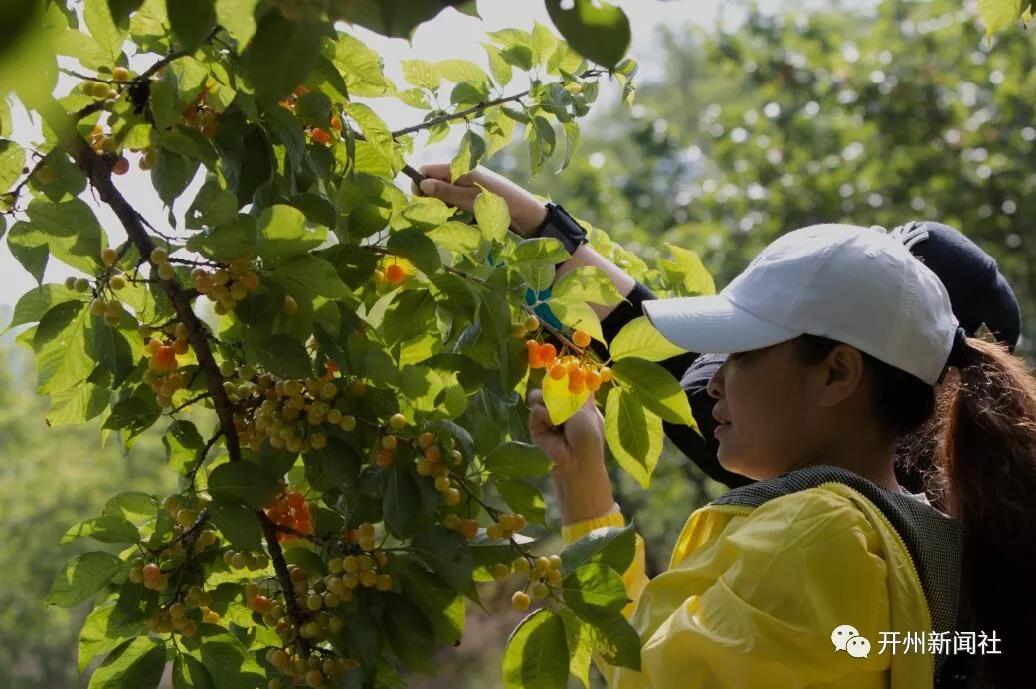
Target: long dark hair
981	429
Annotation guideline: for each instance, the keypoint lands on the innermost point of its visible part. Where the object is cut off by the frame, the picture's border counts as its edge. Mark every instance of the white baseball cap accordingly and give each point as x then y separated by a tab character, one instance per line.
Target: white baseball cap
852	284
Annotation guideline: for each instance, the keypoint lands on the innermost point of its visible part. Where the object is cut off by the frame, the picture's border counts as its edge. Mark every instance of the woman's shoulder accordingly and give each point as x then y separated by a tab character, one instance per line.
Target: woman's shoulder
824	514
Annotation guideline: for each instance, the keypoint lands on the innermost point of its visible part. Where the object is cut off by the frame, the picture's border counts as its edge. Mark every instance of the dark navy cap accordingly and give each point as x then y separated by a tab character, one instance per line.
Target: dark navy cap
979	293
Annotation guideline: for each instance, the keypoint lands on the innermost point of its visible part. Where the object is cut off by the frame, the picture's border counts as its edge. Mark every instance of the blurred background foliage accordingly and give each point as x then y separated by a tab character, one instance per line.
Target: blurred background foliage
872	116
49	479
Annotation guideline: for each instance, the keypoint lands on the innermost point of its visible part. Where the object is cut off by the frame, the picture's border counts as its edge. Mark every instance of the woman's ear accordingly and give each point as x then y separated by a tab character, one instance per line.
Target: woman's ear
844	369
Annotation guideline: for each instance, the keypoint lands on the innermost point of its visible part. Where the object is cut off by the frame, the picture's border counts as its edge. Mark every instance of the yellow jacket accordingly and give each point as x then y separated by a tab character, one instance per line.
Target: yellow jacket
752	595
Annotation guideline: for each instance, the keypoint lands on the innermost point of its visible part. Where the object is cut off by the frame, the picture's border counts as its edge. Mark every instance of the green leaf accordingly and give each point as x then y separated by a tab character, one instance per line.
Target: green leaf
191	21
238	18
579	636
62	357
461	71
82	577
590	284
539	251
229	663
29	246
102	27
72	231
472	148
594	591
133	506
498	66
687	273
542	141
12	160
137	663
572	133
283	233
189	673
111	349
392	18
104	629
443	607
420	73
656	388
446	553
409	633
611	546
38	301
284	356
275	37
1000	14
243	483
577	315
599	31
536	656
617	641
492	215
518	460
212	206
373	127
182	443
524	498
634	434
133	414
640	339
238	524
104	529
415	246
307	276
402	501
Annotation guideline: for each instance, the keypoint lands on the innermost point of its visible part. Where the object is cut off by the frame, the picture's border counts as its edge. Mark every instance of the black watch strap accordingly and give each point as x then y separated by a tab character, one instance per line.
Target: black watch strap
560	225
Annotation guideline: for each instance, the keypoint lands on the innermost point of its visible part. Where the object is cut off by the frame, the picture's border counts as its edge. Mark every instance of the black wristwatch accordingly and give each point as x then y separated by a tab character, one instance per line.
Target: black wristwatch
560	225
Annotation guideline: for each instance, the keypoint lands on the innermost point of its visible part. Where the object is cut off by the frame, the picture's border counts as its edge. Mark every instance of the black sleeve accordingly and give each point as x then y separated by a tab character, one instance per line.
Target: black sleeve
700	449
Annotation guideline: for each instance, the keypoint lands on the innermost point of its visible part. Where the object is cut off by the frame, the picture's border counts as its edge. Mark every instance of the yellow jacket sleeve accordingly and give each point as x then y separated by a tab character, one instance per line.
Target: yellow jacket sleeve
759	608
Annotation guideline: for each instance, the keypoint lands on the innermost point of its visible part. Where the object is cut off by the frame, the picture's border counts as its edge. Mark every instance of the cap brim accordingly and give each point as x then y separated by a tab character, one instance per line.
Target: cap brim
712	324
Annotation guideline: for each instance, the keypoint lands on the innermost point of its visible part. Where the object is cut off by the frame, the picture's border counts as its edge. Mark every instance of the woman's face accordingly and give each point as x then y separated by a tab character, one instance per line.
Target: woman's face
768	410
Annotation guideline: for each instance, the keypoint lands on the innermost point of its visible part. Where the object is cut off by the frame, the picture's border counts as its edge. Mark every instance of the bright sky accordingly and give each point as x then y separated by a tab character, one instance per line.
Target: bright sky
451	35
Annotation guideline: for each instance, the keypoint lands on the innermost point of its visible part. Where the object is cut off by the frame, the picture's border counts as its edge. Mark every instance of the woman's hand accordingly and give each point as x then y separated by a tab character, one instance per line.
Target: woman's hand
527	212
580	477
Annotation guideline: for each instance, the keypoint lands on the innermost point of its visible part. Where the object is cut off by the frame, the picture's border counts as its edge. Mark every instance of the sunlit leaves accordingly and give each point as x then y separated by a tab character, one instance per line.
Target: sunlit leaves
1000	14
634	434
687	273
284	232
656	388
640	339
536	656
560	402
472	148
82	577
492	215
136	663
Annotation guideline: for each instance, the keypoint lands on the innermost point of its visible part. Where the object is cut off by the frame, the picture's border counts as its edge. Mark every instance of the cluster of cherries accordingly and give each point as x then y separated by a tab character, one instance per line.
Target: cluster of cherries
290	510
581	374
227	285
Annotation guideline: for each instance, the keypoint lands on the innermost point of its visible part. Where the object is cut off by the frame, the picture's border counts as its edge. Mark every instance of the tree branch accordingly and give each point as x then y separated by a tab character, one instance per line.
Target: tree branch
98	171
280	566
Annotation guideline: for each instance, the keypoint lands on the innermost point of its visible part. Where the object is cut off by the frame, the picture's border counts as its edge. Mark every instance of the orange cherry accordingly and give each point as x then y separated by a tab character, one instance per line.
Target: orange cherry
395	273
